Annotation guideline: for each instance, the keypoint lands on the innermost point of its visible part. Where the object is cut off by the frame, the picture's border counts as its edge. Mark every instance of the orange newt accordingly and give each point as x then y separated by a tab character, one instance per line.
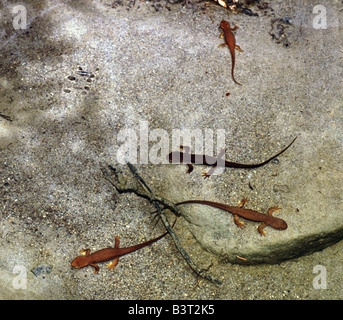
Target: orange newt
108	254
230	42
267	220
188	158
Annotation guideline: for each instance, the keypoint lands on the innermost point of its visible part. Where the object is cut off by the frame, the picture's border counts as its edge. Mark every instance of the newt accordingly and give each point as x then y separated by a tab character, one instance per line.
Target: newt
88	259
188	158
230	42
252	215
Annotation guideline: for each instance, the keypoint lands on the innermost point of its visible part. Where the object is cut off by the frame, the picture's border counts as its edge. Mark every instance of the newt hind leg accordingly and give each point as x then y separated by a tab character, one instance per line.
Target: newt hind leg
116	242
96	268
223	45
238	223
113	264
189	168
220	163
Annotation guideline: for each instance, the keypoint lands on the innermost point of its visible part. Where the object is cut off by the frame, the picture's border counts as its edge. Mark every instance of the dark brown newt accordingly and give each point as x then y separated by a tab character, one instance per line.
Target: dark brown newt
230	42
188	158
108	254
267	220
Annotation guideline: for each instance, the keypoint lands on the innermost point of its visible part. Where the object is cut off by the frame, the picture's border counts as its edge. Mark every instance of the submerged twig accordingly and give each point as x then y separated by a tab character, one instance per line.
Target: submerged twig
124	186
160	203
8	118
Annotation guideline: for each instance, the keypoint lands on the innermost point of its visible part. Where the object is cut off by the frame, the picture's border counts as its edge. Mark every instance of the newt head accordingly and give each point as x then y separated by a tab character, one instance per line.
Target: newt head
80	262
278	224
224	25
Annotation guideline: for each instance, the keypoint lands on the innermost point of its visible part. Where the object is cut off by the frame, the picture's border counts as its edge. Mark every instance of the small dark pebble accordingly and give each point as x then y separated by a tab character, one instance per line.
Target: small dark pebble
41	270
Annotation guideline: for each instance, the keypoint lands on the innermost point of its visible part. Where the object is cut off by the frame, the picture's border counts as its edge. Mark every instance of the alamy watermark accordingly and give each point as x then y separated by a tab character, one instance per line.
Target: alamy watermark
20	17
144	145
20	280
319	21
319	281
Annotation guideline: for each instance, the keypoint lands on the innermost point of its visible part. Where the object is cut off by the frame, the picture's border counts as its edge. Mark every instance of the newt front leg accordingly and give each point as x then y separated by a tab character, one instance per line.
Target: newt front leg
113	264
86	253
263	224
